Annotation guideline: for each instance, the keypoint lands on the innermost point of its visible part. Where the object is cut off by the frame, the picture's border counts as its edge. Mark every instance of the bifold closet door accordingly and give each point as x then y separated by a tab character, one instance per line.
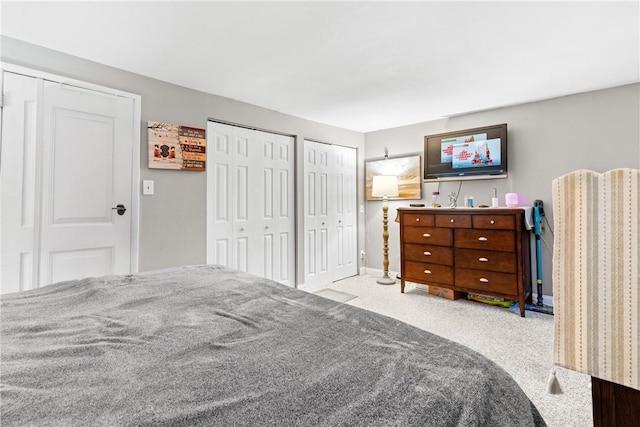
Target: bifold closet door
66	161
343	177
250	201
317	219
330	204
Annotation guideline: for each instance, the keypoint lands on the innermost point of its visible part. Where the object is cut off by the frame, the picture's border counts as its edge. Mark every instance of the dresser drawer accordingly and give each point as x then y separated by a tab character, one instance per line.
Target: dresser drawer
494	222
451	221
428	253
418	219
497	240
422	272
489	282
428	235
480	259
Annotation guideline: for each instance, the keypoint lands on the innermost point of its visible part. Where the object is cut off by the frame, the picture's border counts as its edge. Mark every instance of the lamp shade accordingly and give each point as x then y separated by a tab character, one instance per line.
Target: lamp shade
384	185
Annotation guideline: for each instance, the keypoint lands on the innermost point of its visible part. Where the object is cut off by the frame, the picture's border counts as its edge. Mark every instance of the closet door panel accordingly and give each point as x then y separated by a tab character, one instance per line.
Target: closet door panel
345	213
317	231
223	252
242	253
284	208
241	218
287	266
268	188
330	213
260	193
220	204
249	202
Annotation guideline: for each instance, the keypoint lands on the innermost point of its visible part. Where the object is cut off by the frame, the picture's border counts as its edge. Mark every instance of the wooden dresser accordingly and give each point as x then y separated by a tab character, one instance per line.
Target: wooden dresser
480	250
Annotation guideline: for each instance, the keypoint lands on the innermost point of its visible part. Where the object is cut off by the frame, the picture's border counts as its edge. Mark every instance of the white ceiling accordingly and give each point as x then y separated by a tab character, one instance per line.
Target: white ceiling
358	65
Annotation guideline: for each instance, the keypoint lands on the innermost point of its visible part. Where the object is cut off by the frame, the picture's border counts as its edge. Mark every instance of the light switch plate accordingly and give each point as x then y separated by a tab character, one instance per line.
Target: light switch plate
147	187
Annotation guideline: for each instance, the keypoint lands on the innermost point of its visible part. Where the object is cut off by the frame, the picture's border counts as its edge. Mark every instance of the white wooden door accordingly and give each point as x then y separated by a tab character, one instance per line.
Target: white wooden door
18	173
250	202
276	206
330	213
245	226
317	225
220	201
62	175
343	178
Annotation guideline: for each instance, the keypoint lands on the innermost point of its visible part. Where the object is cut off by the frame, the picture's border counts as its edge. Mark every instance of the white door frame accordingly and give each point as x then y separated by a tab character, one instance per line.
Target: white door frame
135	150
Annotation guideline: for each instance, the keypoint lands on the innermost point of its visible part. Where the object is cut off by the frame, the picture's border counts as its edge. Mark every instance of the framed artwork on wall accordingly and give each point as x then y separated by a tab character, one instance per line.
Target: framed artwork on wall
176	147
407	169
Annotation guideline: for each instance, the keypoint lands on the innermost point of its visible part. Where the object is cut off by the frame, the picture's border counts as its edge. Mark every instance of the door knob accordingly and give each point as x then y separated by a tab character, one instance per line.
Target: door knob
120	209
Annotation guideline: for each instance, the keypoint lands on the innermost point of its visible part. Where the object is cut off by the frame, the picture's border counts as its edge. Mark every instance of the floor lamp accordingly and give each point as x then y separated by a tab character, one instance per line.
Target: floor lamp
385	186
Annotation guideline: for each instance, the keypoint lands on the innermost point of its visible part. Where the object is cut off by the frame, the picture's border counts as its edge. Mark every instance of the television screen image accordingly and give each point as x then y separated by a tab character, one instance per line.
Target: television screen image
477	154
467	154
447	145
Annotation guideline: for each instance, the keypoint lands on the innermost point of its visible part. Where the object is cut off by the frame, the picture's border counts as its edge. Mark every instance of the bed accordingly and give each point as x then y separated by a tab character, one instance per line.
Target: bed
208	345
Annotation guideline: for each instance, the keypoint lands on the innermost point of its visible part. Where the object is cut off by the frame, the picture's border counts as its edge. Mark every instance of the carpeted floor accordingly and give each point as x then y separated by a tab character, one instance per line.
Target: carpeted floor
522	346
335	295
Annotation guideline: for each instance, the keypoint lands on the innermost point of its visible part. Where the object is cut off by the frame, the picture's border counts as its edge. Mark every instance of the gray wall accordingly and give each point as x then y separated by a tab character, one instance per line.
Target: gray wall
597	130
173	221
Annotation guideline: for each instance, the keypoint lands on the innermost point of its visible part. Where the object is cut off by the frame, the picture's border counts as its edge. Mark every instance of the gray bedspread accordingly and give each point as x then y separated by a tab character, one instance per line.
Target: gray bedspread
207	345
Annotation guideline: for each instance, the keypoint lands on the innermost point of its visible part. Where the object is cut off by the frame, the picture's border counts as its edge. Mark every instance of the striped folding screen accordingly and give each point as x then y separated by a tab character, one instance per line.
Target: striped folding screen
596	274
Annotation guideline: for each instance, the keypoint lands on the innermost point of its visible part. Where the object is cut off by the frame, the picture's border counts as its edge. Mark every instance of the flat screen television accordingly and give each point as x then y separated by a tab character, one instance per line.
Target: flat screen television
479	153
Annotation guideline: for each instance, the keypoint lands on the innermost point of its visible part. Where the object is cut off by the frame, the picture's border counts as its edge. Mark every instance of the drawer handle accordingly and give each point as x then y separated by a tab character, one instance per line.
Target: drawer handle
484	280
482	239
452	220
483	259
426	235
427	272
492	222
427	253
417	219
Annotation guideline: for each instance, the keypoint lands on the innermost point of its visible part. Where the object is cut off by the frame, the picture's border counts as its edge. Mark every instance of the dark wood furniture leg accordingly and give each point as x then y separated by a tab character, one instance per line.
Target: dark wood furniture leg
614	405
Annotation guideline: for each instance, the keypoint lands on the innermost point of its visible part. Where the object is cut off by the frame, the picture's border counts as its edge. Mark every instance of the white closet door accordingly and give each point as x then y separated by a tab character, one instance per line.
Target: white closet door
277	207
317	220
344	259
229	199
220	183
246	224
63	170
250	202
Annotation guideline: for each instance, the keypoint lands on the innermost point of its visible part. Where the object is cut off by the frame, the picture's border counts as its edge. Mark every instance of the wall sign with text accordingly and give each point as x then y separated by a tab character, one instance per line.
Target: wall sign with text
176	147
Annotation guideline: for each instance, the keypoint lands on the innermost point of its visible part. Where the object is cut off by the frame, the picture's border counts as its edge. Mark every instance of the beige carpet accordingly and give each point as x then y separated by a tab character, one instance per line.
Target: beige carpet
522	346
